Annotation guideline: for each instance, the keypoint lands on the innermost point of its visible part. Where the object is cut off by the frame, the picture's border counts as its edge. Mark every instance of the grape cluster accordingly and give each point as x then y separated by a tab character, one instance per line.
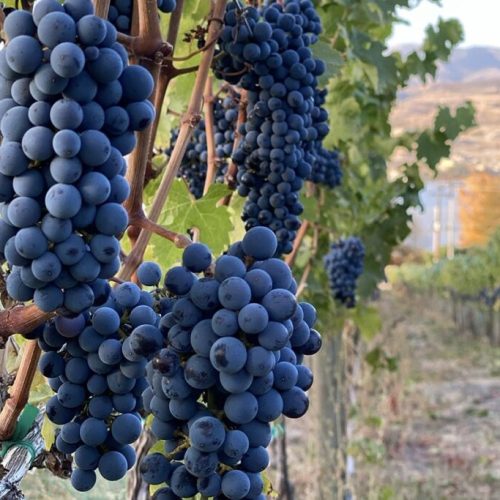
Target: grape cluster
344	265
326	169
120	12
69	107
226	118
268	53
95	362
325	164
233	364
193	168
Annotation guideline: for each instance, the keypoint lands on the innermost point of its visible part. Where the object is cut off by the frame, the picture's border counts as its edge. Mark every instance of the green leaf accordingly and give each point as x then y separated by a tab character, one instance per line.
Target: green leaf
183	213
310	204
451	126
432	148
179	92
333	59
368	320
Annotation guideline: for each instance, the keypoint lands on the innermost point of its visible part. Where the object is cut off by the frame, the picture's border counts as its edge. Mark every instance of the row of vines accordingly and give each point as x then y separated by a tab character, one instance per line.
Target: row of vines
468	283
190	192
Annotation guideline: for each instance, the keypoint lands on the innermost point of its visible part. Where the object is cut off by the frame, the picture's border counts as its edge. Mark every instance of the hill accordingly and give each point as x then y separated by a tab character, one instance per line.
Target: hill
472	74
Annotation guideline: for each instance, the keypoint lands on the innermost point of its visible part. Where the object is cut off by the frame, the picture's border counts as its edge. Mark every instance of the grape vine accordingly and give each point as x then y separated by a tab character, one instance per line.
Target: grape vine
213	350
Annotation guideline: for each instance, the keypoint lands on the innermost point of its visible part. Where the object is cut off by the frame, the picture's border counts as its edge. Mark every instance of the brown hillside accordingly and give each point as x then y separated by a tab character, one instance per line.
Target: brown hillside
476	150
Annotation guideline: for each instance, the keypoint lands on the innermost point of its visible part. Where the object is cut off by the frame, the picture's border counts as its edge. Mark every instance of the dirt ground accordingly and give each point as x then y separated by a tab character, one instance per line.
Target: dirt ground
437	435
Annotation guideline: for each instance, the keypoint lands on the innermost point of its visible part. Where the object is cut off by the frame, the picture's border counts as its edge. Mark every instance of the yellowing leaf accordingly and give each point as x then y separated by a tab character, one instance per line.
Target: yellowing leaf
40	390
48	433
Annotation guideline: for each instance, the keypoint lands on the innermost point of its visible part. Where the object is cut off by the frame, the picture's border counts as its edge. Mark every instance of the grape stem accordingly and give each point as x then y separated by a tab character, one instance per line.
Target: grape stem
20	319
210	134
20	390
167	73
207	46
307	270
102	8
137	488
138	158
190	120
290	259
142	222
146	39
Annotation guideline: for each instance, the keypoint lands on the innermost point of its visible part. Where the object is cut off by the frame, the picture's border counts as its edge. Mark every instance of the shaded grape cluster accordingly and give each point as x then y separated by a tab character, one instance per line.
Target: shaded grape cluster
70	105
325	164
268	53
344	265
95	362
120	12
236	341
327	167
193	168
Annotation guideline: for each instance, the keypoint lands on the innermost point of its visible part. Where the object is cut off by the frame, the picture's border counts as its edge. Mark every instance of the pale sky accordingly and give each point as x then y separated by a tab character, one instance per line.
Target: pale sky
480	19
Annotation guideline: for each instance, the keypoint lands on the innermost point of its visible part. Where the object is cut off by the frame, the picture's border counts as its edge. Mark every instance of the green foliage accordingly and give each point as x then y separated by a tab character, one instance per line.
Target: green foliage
372	203
183	213
435	144
467	275
378	360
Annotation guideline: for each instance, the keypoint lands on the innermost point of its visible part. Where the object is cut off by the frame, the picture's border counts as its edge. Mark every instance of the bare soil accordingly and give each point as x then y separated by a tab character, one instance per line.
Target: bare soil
437	435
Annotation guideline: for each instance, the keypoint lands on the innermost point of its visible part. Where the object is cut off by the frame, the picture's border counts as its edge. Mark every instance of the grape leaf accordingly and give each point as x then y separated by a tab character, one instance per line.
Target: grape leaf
431	149
48	433
333	60
367	319
40	391
451	126
182	213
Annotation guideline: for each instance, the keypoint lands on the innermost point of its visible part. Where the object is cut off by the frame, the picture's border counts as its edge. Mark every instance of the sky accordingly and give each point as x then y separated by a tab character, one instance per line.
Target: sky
480	19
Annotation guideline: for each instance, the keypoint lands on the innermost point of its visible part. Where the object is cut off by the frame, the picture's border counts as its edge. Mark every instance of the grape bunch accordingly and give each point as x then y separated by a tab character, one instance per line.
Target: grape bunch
236	340
267	52
193	168
326	167
120	12
95	362
325	164
344	265
226	118
69	107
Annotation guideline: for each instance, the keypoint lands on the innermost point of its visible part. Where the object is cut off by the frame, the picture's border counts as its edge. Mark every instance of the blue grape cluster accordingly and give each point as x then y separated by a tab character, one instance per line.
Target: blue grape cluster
325	165
95	362
233	364
120	12
327	170
226	118
69	107
193	168
268	53
344	265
